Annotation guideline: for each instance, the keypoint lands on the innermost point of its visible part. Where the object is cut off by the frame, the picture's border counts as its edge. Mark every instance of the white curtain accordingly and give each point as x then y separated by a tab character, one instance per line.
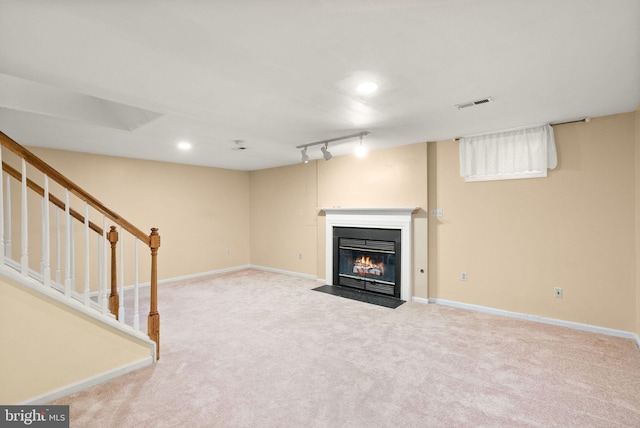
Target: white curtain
519	153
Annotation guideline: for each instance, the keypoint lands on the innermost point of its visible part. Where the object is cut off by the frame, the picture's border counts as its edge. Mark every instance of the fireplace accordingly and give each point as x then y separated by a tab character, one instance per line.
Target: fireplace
397	220
367	259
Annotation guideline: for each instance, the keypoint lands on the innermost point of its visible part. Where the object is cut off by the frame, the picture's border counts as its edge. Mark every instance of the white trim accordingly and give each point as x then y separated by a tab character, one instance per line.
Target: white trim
420	300
226	270
190	276
234	269
285	272
543	320
386	218
87	383
197	275
369	211
637	341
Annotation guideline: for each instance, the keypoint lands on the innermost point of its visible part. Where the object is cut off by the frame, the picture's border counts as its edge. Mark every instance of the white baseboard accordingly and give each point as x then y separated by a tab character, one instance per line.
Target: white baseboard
87	383
285	272
190	276
638	341
198	275
226	270
420	300
535	318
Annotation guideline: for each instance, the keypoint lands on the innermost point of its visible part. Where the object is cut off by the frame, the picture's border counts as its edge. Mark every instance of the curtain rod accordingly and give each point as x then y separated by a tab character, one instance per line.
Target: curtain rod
585	119
359	134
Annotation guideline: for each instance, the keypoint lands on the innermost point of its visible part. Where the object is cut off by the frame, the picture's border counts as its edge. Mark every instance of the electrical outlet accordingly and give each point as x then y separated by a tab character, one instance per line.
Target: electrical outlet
300	255
228	251
436	212
463	276
557	292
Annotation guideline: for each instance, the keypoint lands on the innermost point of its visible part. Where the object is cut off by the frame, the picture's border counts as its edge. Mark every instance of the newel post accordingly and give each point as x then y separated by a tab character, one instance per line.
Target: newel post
114	300
154	317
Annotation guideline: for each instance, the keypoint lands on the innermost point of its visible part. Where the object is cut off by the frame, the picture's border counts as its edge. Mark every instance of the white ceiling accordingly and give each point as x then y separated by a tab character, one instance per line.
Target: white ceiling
134	78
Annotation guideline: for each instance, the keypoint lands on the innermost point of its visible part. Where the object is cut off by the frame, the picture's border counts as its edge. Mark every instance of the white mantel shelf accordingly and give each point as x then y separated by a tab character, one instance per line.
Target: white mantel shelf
370	211
383	218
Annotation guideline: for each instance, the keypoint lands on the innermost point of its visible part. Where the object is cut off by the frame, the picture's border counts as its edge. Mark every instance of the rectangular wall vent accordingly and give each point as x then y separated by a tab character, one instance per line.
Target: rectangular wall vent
474	103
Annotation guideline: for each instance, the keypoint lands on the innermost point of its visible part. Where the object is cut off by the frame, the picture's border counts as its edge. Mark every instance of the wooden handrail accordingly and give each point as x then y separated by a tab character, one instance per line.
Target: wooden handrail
55	201
52	173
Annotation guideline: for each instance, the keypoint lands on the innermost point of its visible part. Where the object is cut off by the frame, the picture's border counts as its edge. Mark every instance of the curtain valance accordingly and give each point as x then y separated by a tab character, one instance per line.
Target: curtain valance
519	153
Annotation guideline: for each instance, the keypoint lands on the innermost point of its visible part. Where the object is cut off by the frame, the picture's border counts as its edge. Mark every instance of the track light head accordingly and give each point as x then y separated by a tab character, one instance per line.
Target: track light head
361	150
325	153
305	156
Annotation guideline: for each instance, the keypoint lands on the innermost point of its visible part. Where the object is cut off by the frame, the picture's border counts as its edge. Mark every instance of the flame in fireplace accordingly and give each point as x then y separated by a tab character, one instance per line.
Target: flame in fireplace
365	266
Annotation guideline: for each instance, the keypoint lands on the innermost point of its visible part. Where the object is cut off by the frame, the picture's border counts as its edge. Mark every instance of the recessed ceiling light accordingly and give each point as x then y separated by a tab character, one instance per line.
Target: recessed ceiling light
184	145
367	87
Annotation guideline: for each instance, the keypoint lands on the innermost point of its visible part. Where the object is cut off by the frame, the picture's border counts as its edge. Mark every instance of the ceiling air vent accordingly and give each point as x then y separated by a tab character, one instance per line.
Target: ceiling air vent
474	103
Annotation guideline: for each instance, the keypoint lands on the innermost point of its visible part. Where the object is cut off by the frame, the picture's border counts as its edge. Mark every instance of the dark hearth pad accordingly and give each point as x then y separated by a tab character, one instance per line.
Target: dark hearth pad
361	296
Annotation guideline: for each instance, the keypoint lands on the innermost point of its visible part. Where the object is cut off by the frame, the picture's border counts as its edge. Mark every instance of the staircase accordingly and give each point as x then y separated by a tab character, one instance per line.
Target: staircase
57	238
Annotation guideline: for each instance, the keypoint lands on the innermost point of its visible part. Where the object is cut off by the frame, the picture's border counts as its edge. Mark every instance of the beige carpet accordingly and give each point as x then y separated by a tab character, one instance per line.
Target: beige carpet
258	349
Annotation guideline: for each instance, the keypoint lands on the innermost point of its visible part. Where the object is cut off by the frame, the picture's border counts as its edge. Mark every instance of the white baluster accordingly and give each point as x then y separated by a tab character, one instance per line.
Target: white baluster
99	269
46	235
136	316
58	253
121	275
105	280
24	258
7	222
1	215
72	260
42	204
67	247
87	288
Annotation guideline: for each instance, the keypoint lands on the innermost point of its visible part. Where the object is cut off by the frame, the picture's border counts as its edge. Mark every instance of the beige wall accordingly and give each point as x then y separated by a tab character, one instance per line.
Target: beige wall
518	239
284	218
200	212
53	346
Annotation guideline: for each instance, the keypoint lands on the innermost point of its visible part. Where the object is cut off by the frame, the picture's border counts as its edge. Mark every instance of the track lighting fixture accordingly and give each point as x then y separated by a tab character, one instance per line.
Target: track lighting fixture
325	153
325	150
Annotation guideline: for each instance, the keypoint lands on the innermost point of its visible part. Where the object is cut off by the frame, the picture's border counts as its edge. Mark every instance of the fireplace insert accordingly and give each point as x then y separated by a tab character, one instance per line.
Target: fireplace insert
367	259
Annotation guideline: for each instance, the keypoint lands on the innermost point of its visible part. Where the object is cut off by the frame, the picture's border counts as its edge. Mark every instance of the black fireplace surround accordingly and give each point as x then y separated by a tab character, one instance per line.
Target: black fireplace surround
367	259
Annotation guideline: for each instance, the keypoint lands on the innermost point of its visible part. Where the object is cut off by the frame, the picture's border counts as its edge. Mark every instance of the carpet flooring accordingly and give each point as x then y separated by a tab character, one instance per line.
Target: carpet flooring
258	349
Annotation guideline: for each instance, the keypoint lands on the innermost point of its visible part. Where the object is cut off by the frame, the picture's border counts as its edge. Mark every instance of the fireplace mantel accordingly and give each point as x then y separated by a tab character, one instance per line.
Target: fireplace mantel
383	218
